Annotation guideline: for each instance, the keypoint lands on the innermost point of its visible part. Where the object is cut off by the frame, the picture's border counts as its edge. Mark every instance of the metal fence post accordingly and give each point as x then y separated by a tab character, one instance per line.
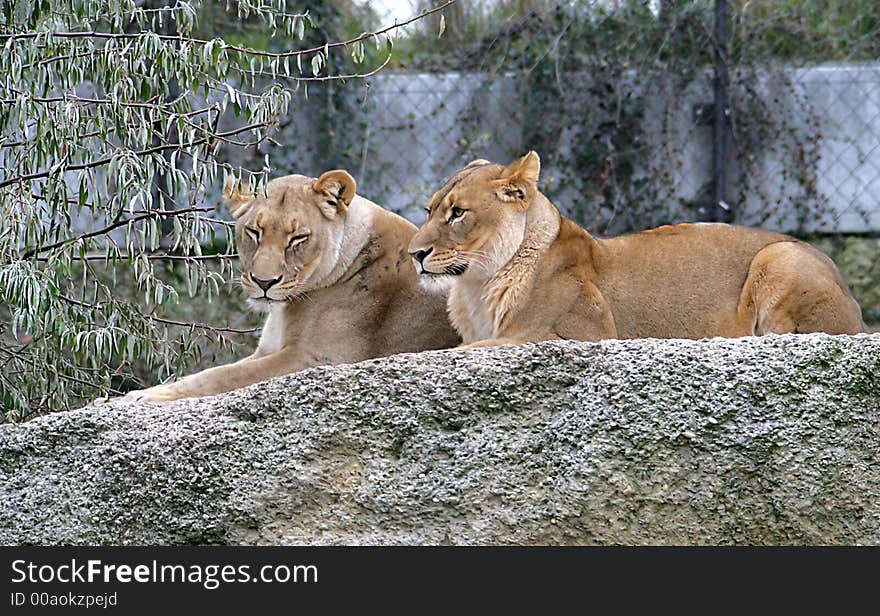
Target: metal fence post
720	210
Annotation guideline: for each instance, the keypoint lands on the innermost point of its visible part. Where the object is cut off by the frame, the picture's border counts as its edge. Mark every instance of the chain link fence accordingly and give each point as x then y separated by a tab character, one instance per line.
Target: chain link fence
643	113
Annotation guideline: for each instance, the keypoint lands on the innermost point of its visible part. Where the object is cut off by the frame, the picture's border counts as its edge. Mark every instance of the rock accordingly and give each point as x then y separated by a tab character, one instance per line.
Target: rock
769	440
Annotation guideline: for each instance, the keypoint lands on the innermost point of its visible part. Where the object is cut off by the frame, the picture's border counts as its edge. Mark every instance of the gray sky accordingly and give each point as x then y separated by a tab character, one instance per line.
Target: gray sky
390	10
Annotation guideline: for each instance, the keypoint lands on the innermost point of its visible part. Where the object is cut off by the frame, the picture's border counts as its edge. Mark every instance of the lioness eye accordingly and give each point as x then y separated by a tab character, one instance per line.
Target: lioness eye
456	213
297	239
254	233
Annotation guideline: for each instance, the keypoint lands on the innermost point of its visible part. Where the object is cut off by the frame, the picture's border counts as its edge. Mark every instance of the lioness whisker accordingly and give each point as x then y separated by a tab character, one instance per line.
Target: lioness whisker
482	260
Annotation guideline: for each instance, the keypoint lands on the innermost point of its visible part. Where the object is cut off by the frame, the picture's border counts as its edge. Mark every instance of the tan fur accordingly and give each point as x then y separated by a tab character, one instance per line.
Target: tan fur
530	274
346	293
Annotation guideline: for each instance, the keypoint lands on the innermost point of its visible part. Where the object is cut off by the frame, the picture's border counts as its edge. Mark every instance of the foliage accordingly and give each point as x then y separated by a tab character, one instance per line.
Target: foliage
856	257
115	117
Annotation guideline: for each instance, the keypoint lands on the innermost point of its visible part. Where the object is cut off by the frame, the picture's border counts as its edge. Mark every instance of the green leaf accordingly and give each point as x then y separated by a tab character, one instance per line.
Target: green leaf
317	63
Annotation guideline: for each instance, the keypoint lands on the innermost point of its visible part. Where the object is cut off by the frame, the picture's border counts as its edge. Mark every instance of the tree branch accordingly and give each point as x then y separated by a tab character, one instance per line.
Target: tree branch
243	50
152	317
228	330
106	160
64	376
111	227
158	257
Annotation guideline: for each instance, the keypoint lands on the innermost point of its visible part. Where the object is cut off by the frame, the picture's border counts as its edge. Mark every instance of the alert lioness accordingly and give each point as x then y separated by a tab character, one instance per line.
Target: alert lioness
518	271
331	270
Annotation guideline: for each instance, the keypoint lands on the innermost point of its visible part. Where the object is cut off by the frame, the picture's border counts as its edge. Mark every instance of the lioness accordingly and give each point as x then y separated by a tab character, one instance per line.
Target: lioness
519	272
331	270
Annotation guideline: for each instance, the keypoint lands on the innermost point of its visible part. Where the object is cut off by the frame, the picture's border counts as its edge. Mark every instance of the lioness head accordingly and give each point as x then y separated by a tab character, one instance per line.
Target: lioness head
476	221
289	239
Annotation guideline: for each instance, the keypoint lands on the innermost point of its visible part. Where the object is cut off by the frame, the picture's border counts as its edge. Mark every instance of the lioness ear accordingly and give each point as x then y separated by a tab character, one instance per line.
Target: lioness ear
478	162
519	180
337	189
238	196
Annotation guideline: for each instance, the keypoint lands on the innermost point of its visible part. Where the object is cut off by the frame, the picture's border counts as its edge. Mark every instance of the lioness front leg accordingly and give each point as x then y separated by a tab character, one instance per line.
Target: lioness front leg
222	378
492	342
516	337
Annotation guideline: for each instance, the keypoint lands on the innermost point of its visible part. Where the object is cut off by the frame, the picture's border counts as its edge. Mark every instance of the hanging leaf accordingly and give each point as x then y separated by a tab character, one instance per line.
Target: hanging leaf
317	63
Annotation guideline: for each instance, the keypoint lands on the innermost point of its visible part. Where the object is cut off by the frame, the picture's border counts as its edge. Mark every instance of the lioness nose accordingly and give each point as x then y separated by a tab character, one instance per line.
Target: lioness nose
266	284
419	255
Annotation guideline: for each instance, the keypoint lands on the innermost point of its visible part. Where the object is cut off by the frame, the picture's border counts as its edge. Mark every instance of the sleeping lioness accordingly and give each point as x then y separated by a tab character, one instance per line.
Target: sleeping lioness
331	270
518	271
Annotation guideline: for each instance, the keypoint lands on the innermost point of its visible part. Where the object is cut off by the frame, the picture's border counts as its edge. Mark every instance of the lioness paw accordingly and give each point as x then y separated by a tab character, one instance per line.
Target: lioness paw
159	393
490	342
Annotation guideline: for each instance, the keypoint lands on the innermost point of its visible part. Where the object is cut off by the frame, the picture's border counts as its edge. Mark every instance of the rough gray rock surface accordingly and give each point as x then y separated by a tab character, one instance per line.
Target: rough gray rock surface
772	440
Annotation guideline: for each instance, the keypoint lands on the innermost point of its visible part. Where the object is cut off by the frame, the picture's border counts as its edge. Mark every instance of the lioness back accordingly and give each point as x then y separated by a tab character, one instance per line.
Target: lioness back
393	291
686	280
